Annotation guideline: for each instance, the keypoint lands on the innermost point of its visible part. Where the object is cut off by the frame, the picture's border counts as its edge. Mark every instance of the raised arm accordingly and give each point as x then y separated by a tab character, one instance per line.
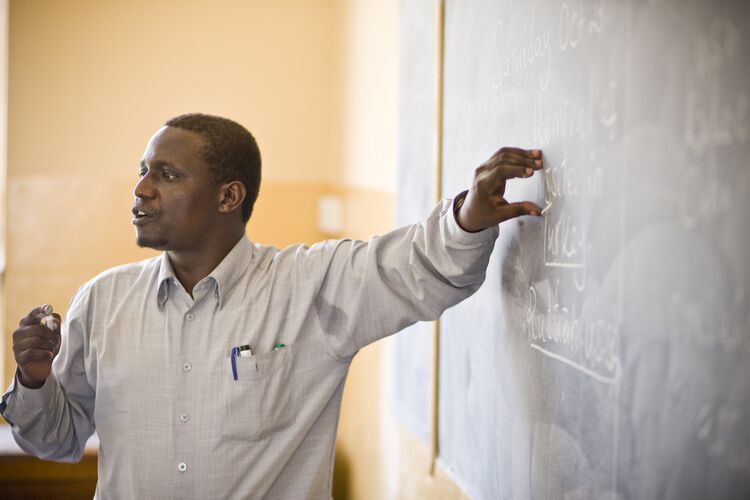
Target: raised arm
375	288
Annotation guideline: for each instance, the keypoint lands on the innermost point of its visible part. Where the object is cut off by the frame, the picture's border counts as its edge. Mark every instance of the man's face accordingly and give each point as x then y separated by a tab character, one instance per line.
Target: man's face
175	200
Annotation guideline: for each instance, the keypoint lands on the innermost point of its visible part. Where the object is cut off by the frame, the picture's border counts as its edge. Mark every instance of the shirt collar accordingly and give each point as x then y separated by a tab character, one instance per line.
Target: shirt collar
231	268
225	275
166	273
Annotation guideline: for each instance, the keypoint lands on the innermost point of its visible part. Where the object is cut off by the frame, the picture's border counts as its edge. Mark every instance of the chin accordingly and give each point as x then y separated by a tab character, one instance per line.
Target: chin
151	243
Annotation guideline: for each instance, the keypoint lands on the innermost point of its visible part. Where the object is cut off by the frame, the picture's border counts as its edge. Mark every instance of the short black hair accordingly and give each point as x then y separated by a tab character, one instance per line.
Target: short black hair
230	150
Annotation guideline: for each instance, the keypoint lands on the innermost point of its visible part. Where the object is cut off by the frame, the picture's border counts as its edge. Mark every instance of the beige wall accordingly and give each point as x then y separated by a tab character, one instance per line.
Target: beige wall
368	150
316	82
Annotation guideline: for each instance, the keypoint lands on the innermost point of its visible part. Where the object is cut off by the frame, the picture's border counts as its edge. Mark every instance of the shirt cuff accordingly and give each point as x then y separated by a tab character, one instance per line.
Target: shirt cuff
24	399
459	234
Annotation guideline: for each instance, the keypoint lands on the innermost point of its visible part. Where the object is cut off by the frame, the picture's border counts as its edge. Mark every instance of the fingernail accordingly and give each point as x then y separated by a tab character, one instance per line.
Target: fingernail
538	163
47	309
529	171
536	152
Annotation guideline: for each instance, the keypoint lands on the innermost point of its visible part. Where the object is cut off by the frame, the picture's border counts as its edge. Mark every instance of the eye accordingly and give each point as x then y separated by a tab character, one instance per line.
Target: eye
168	174
141	172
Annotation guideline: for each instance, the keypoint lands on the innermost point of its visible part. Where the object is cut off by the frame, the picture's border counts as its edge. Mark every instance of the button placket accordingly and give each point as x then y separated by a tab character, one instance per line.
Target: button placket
183	432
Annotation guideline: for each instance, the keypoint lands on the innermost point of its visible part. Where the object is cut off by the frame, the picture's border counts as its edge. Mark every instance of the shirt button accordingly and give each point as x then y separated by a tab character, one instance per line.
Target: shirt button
182	467
186	367
184	417
190	316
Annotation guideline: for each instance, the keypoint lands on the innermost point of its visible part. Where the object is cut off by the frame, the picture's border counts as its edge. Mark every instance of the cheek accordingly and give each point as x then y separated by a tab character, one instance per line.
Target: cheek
193	210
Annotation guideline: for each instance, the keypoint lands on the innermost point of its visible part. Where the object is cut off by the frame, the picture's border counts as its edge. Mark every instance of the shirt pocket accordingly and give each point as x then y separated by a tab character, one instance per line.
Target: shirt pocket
260	402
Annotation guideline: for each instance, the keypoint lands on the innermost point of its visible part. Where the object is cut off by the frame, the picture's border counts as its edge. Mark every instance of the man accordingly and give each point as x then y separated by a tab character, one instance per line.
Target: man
216	369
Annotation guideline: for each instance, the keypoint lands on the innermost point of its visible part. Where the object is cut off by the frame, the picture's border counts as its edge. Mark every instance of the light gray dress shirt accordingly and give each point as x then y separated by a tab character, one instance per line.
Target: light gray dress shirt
150	368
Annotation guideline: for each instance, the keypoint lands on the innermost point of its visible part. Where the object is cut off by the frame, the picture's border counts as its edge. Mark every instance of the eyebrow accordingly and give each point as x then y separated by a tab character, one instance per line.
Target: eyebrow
158	163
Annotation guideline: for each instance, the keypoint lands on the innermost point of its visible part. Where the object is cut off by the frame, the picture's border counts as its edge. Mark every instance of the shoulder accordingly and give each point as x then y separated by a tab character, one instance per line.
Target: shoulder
299	255
298	263
119	278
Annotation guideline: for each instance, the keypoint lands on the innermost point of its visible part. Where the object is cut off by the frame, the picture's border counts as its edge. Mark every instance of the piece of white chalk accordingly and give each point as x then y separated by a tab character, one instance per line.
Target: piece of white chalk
50	322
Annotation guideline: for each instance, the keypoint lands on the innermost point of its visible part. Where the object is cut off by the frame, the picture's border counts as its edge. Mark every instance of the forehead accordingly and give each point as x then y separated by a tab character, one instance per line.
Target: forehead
175	146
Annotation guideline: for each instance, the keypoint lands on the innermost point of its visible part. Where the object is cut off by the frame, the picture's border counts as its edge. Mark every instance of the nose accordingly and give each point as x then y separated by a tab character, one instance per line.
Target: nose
145	189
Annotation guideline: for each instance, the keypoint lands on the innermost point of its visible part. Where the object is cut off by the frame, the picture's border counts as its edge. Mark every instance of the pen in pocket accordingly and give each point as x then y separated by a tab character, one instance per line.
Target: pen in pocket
241	351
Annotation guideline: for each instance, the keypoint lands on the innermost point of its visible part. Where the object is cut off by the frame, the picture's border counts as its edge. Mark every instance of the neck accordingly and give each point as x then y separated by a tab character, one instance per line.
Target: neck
191	266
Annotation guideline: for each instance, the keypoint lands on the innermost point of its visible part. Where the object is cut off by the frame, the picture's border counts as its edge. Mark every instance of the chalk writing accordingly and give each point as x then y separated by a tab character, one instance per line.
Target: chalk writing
723	430
716	46
712	119
711	321
575	23
716	116
565	181
566	121
589	344
518	53
608	114
704	197
563	239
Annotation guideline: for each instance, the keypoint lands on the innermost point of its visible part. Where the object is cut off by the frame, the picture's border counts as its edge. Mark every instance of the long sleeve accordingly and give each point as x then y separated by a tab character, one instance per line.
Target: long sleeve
373	289
54	421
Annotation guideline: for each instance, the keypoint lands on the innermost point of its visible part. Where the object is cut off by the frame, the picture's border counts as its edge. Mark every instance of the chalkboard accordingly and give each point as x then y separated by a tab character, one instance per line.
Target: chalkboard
607	355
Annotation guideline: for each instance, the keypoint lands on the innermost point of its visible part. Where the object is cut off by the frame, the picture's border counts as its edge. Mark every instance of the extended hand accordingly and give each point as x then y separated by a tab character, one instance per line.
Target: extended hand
485	205
36	345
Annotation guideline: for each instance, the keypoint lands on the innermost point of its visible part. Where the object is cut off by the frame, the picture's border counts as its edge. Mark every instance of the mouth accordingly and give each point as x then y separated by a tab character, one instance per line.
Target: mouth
141	215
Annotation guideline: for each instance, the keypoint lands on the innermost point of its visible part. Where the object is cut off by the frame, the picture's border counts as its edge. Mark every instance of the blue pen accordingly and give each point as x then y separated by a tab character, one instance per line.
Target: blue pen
235	353
242	351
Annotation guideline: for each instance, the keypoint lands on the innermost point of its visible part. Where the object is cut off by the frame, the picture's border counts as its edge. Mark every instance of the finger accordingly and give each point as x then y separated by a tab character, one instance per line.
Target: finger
30	331
492	180
35	342
32	355
507	171
519	158
535	154
35	315
513	210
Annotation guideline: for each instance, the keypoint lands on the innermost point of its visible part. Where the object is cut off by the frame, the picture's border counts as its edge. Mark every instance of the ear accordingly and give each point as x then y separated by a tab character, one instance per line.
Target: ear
231	196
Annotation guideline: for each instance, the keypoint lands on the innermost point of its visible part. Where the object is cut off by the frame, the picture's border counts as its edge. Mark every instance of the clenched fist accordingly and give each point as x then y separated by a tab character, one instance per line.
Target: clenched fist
36	342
